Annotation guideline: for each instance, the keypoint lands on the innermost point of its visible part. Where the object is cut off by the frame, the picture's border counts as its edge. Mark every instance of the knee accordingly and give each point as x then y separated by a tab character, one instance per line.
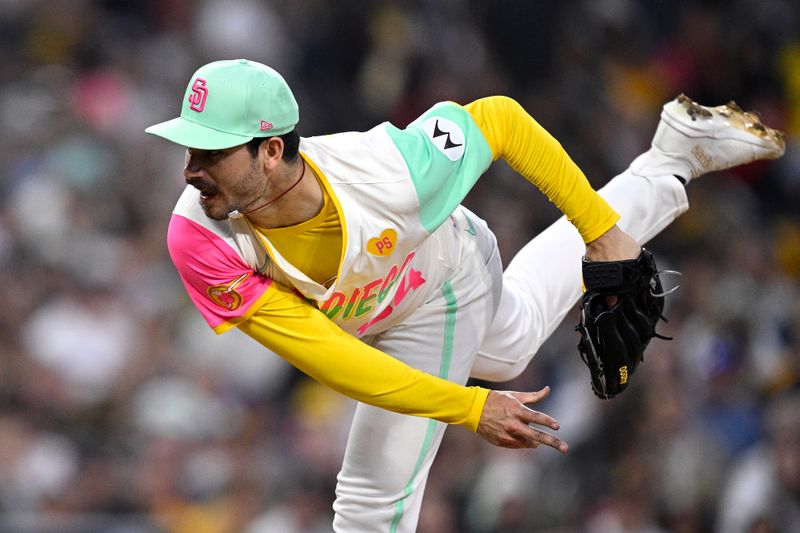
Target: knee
371	508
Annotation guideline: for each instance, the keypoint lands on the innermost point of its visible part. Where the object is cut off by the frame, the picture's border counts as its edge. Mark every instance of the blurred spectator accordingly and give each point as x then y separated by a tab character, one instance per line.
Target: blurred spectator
763	490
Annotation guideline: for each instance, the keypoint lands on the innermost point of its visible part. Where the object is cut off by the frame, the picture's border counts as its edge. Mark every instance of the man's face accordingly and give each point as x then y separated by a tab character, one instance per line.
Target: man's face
228	180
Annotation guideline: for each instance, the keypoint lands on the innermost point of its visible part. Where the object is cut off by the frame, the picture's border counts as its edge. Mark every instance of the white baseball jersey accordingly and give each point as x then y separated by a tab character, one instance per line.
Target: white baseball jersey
392	188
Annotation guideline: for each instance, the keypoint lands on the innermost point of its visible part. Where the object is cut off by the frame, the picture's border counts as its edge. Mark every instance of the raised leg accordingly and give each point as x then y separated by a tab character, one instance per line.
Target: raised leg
543	281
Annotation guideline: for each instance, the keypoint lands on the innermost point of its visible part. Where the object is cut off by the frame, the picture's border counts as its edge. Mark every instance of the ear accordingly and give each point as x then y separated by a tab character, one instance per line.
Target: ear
271	152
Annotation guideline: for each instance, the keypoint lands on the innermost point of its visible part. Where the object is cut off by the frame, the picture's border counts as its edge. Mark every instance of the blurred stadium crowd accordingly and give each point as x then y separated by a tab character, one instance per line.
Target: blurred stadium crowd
120	411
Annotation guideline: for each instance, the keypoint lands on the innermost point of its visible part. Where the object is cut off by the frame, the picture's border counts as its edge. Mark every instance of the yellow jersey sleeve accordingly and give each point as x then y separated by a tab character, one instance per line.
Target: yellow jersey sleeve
302	335
530	150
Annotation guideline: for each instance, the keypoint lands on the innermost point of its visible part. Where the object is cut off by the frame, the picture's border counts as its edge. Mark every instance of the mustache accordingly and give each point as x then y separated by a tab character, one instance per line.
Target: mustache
205	187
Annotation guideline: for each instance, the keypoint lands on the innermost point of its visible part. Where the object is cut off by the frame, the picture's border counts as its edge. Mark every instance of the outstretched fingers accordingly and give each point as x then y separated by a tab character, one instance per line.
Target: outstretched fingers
507	422
531	437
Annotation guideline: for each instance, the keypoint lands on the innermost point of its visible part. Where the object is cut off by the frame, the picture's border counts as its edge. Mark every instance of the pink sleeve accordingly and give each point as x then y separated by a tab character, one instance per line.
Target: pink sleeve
221	285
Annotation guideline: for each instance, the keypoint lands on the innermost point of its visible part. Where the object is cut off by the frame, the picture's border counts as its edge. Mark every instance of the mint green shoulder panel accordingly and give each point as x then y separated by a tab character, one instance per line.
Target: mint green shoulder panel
446	153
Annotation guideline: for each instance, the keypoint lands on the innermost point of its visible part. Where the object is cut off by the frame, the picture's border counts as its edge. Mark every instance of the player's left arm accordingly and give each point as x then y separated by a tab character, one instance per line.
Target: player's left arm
512	134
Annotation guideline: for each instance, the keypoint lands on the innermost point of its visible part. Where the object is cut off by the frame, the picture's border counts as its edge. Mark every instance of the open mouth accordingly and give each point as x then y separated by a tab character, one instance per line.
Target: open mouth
207	190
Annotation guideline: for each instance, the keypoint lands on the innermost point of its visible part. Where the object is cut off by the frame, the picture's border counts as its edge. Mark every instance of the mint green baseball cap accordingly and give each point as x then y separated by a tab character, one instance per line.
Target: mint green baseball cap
228	103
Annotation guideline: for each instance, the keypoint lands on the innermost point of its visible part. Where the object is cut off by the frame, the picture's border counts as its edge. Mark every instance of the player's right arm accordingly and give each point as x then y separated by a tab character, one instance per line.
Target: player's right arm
228	293
301	334
306	338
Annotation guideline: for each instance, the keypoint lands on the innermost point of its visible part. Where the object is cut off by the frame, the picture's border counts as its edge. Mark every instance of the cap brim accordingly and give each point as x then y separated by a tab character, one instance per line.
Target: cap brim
193	135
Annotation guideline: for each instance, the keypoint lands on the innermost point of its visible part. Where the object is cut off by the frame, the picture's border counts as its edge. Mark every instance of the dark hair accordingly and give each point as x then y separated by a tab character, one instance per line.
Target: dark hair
291	145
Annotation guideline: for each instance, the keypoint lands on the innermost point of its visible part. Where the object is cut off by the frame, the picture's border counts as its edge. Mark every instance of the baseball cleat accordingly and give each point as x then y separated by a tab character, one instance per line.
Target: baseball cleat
692	140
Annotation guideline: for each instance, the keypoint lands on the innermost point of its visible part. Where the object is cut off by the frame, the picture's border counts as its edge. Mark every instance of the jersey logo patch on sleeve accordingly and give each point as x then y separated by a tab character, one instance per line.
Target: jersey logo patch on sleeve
225	295
446	136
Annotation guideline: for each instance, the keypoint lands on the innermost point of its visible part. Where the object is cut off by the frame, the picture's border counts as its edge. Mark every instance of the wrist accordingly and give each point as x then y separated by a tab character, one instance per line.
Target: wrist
613	245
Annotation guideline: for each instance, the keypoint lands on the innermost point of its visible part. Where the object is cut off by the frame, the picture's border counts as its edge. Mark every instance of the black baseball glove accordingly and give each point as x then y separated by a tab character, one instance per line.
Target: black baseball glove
613	338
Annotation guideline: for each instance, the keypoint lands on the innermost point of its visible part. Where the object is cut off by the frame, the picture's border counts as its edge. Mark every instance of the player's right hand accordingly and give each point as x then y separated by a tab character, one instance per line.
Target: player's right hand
507	422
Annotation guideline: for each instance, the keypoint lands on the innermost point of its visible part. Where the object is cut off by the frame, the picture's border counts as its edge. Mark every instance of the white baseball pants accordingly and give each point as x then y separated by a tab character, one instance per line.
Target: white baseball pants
483	323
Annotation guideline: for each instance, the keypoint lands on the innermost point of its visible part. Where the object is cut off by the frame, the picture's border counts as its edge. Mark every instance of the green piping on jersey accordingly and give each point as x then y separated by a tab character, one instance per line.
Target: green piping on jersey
444	371
445	159
449	329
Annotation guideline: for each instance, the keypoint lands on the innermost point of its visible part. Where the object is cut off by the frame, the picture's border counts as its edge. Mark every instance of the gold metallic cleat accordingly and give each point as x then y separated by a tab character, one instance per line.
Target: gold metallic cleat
692	139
